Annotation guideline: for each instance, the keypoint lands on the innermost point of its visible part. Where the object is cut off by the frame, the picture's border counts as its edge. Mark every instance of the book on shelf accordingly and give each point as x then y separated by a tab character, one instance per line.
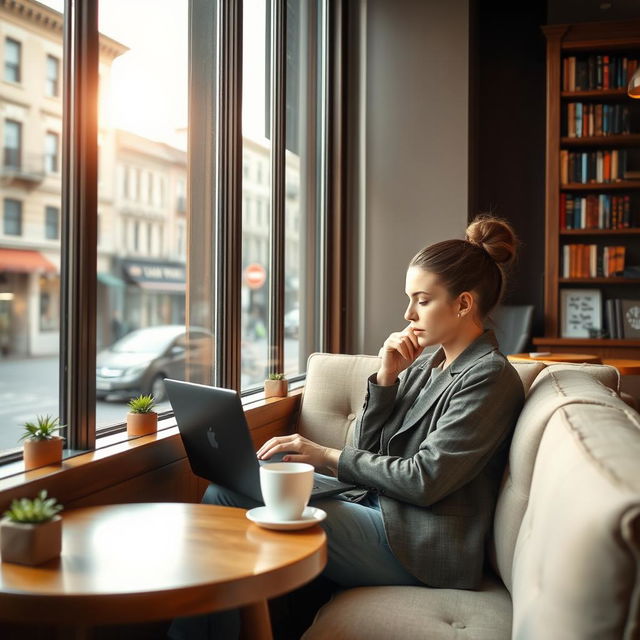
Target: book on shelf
623	318
591	72
590	261
603	166
593	120
596	211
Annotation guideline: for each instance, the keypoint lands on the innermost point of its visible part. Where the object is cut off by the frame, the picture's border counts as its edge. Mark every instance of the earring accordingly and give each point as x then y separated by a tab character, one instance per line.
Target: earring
459	314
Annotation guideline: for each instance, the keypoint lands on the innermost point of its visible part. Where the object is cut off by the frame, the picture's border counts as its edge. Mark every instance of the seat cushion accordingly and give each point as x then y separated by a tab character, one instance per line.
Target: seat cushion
409	613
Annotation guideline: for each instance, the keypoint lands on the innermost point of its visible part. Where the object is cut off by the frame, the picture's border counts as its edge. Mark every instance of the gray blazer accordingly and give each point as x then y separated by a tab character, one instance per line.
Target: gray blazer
437	473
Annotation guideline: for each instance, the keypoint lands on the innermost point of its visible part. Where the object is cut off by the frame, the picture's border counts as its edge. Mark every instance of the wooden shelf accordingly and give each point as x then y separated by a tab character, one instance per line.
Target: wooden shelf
611	280
619	140
596	94
601	186
600	232
586	342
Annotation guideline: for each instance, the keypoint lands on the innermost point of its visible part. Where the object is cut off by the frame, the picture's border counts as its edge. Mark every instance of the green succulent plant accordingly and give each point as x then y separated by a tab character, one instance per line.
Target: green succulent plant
43	428
142	404
40	509
276	376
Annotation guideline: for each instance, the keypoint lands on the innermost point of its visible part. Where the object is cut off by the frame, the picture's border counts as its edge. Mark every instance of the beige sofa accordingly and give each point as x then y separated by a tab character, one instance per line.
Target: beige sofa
565	550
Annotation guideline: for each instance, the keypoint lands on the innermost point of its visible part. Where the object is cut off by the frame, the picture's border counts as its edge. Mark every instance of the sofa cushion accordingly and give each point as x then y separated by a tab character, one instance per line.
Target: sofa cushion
607	375
528	371
407	613
576	567
555	387
334	392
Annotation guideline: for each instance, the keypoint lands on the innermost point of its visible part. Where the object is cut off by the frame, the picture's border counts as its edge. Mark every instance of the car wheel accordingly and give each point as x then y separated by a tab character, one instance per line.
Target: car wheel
157	389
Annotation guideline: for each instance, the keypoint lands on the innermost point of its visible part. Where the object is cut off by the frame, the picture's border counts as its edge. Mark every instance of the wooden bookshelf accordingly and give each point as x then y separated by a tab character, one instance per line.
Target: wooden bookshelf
600	232
620	140
583	40
622	185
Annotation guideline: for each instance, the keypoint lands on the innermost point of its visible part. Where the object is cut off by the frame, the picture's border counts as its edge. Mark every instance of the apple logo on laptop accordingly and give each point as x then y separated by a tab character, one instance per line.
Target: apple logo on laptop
211	436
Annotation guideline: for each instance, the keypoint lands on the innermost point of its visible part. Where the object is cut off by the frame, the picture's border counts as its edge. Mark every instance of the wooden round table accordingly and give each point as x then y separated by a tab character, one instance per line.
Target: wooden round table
625	366
559	357
155	561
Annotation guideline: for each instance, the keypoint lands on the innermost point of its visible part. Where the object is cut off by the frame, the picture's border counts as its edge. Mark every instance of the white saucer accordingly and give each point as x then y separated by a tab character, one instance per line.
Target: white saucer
310	516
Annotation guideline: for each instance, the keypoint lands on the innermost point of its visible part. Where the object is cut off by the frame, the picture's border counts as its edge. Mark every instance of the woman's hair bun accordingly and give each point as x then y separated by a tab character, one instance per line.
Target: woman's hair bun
495	236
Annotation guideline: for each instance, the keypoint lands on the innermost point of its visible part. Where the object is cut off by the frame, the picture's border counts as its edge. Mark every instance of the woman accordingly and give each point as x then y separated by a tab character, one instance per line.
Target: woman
430	446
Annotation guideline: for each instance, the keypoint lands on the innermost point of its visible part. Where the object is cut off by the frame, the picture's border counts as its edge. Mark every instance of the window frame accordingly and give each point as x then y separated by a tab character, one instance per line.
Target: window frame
52	84
49	212
9	64
18	217
214	205
18	150
51	162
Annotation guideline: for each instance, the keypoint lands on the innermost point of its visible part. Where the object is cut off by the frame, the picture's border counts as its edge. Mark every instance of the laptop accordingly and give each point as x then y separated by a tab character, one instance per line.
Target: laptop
216	437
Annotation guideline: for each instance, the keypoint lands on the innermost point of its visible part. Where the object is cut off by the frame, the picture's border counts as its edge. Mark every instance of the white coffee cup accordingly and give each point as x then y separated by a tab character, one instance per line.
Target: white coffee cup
286	488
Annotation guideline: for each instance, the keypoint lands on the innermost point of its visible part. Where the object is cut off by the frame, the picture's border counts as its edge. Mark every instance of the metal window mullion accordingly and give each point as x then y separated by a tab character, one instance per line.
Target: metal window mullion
78	254
322	172
228	193
278	143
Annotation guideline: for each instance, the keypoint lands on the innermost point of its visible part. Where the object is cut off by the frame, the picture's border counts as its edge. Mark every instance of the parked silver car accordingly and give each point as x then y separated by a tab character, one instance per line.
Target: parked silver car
140	361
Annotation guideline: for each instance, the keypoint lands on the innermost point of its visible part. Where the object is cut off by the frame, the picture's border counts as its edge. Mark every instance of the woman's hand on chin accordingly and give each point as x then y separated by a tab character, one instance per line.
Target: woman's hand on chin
399	351
300	449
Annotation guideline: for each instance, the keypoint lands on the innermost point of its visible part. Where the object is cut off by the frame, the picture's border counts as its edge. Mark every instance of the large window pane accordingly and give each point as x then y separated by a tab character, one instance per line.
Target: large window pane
141	200
29	250
256	192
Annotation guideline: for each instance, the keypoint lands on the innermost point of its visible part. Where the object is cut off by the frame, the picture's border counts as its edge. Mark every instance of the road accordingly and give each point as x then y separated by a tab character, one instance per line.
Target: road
29	387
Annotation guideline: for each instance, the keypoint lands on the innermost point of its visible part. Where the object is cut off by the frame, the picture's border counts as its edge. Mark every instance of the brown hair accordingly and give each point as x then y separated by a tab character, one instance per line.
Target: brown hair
475	264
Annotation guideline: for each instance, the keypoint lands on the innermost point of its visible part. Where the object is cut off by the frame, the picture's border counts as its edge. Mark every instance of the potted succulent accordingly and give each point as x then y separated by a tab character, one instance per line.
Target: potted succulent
142	419
31	530
276	386
41	444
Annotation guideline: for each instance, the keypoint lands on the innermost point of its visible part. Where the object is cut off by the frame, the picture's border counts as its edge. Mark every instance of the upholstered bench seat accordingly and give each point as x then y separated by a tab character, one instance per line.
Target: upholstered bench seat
565	551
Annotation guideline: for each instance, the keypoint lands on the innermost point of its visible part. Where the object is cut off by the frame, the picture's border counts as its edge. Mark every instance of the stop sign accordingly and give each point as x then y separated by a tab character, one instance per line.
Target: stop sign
255	275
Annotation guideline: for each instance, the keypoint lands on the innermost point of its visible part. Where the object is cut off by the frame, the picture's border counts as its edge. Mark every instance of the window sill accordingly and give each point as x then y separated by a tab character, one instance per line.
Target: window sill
259	414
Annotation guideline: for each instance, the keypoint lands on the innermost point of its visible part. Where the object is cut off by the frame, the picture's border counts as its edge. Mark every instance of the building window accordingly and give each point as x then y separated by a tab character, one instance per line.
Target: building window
51	152
161	185
12	144
51	223
52	83
49	303
12	59
133	184
12	217
125	182
136	236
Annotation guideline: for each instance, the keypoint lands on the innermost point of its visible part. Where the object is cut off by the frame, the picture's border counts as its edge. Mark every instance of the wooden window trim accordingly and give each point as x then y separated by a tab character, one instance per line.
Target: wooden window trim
89	473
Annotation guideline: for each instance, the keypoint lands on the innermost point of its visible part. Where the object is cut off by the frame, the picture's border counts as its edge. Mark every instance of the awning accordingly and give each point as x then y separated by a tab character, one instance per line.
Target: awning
168	277
25	261
110	280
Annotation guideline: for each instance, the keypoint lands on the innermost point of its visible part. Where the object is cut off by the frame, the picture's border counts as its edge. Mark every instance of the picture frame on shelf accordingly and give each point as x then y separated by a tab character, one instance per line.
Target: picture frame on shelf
581	312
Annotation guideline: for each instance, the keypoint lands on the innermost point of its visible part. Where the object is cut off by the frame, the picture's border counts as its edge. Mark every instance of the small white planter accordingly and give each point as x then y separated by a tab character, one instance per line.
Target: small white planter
30	544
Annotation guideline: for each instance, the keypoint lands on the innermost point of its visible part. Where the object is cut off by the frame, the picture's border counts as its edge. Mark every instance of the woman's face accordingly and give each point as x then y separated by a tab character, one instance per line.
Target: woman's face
431	311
